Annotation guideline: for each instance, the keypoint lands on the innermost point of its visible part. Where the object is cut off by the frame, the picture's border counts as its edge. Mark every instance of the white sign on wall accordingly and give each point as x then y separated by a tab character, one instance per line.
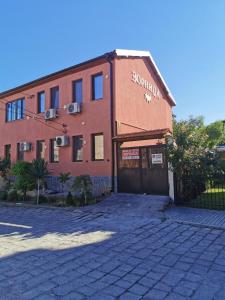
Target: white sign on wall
157	159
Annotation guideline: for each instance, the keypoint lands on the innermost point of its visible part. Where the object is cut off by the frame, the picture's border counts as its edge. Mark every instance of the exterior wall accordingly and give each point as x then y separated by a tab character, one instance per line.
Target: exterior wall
94	118
132	112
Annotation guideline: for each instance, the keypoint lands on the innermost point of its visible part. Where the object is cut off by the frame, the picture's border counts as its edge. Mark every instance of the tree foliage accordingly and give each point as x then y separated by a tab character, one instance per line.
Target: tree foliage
83	185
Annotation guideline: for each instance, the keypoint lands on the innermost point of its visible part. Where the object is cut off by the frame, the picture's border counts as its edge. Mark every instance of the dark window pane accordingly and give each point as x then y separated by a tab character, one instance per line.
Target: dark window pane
54	151
97	87
20	154
40	149
77	91
55	97
8	152
98	147
15	110
41	102
78	148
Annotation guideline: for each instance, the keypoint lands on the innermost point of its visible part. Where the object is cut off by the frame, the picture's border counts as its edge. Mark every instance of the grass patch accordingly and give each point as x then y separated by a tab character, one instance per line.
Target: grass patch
212	198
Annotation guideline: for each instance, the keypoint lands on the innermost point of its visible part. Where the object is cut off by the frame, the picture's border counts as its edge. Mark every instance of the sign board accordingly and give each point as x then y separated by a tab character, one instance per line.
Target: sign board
130	154
157	159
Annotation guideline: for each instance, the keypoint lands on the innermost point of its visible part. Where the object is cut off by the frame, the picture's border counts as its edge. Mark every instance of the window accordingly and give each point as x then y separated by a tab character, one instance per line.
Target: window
78	148
15	110
55	97
97	86
77	91
8	152
54	151
41	102
20	154
40	149
98	146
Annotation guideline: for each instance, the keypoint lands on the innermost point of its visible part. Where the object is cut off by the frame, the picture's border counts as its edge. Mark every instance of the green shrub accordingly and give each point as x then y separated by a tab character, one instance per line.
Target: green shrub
3	195
83	186
43	199
12	195
69	199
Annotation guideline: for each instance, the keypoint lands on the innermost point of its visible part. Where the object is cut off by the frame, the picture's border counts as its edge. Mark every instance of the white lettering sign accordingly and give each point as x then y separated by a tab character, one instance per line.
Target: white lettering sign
157	158
136	78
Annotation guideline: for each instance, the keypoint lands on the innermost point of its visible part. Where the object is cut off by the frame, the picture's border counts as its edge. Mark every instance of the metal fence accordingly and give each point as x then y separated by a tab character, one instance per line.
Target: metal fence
208	194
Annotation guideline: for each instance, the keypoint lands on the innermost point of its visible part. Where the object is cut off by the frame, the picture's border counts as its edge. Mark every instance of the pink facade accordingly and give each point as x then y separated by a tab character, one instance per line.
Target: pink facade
125	108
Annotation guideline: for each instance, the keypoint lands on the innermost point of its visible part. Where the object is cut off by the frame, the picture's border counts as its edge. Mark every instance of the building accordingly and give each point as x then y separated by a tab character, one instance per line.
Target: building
106	117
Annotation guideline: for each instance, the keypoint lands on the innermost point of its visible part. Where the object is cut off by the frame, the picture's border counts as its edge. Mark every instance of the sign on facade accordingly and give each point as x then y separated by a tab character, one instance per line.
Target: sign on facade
157	159
130	154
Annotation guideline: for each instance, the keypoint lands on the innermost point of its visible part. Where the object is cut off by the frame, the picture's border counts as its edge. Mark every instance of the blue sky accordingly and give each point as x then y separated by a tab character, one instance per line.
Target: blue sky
186	39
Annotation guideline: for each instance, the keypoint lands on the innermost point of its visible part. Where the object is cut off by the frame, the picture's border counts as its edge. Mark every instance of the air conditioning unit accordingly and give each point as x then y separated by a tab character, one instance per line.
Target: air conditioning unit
73	108
62	141
50	114
25	146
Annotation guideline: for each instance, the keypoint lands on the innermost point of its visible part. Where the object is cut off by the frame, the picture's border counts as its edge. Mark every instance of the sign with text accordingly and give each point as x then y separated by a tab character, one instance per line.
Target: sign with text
157	159
130	154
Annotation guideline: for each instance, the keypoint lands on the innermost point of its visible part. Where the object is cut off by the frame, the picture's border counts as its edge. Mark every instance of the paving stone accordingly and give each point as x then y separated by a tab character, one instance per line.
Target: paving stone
155	294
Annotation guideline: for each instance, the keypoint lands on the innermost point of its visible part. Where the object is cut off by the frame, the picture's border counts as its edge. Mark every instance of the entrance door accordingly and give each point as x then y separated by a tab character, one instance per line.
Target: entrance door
143	170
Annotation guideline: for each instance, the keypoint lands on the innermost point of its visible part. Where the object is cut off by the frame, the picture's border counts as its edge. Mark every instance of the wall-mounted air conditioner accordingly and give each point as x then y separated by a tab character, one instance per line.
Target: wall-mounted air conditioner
73	108
50	114
25	146
62	141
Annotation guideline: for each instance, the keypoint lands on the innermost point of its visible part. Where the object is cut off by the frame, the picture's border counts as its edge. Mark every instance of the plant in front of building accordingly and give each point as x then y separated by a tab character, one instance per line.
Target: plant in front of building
24	182
63	179
37	171
83	187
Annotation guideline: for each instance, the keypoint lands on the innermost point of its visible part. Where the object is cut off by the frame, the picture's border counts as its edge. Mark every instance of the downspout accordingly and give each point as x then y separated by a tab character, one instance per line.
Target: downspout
110	57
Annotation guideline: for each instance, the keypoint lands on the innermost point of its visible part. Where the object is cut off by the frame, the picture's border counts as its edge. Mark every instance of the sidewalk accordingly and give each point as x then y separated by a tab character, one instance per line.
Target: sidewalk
213	218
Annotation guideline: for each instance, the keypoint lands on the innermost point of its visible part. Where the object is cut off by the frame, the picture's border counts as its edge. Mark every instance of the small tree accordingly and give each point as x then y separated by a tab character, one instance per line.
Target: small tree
4	167
24	182
63	178
83	185
38	171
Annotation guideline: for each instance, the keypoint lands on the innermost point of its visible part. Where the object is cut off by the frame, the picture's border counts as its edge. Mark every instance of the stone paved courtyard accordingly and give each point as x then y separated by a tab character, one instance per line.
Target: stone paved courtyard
89	254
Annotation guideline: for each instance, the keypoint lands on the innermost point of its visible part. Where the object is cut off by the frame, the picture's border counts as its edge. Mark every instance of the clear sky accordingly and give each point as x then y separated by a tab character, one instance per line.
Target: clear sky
185	37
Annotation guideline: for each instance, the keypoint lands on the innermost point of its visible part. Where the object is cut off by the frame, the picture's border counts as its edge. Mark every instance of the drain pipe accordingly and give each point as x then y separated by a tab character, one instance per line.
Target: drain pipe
110	57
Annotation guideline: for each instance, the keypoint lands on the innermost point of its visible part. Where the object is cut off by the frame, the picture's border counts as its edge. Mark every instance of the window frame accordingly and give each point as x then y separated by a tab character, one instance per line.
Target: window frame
12	108
38	156
73	148
74	100
51	152
18	153
93	86
38	104
93	146
51	97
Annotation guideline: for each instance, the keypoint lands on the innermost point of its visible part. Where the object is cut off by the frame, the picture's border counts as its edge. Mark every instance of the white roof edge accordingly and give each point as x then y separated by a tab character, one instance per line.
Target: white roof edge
124	52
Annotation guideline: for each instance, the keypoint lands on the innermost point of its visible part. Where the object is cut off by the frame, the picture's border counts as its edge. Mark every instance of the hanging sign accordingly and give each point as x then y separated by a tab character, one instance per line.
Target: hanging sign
130	154
157	159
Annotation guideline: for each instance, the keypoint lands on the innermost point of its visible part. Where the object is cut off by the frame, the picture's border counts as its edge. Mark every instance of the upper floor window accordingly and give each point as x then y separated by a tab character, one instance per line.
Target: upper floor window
97	86
41	102
55	97
77	91
78	148
98	146
54	151
15	110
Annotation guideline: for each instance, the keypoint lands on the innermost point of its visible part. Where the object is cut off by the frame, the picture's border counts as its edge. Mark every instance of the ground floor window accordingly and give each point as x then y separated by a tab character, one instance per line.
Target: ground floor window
8	152
40	150
97	146
20	153
54	151
78	148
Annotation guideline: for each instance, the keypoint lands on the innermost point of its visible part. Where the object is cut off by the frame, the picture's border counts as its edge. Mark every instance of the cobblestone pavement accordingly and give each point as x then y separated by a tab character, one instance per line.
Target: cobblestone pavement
80	254
197	216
